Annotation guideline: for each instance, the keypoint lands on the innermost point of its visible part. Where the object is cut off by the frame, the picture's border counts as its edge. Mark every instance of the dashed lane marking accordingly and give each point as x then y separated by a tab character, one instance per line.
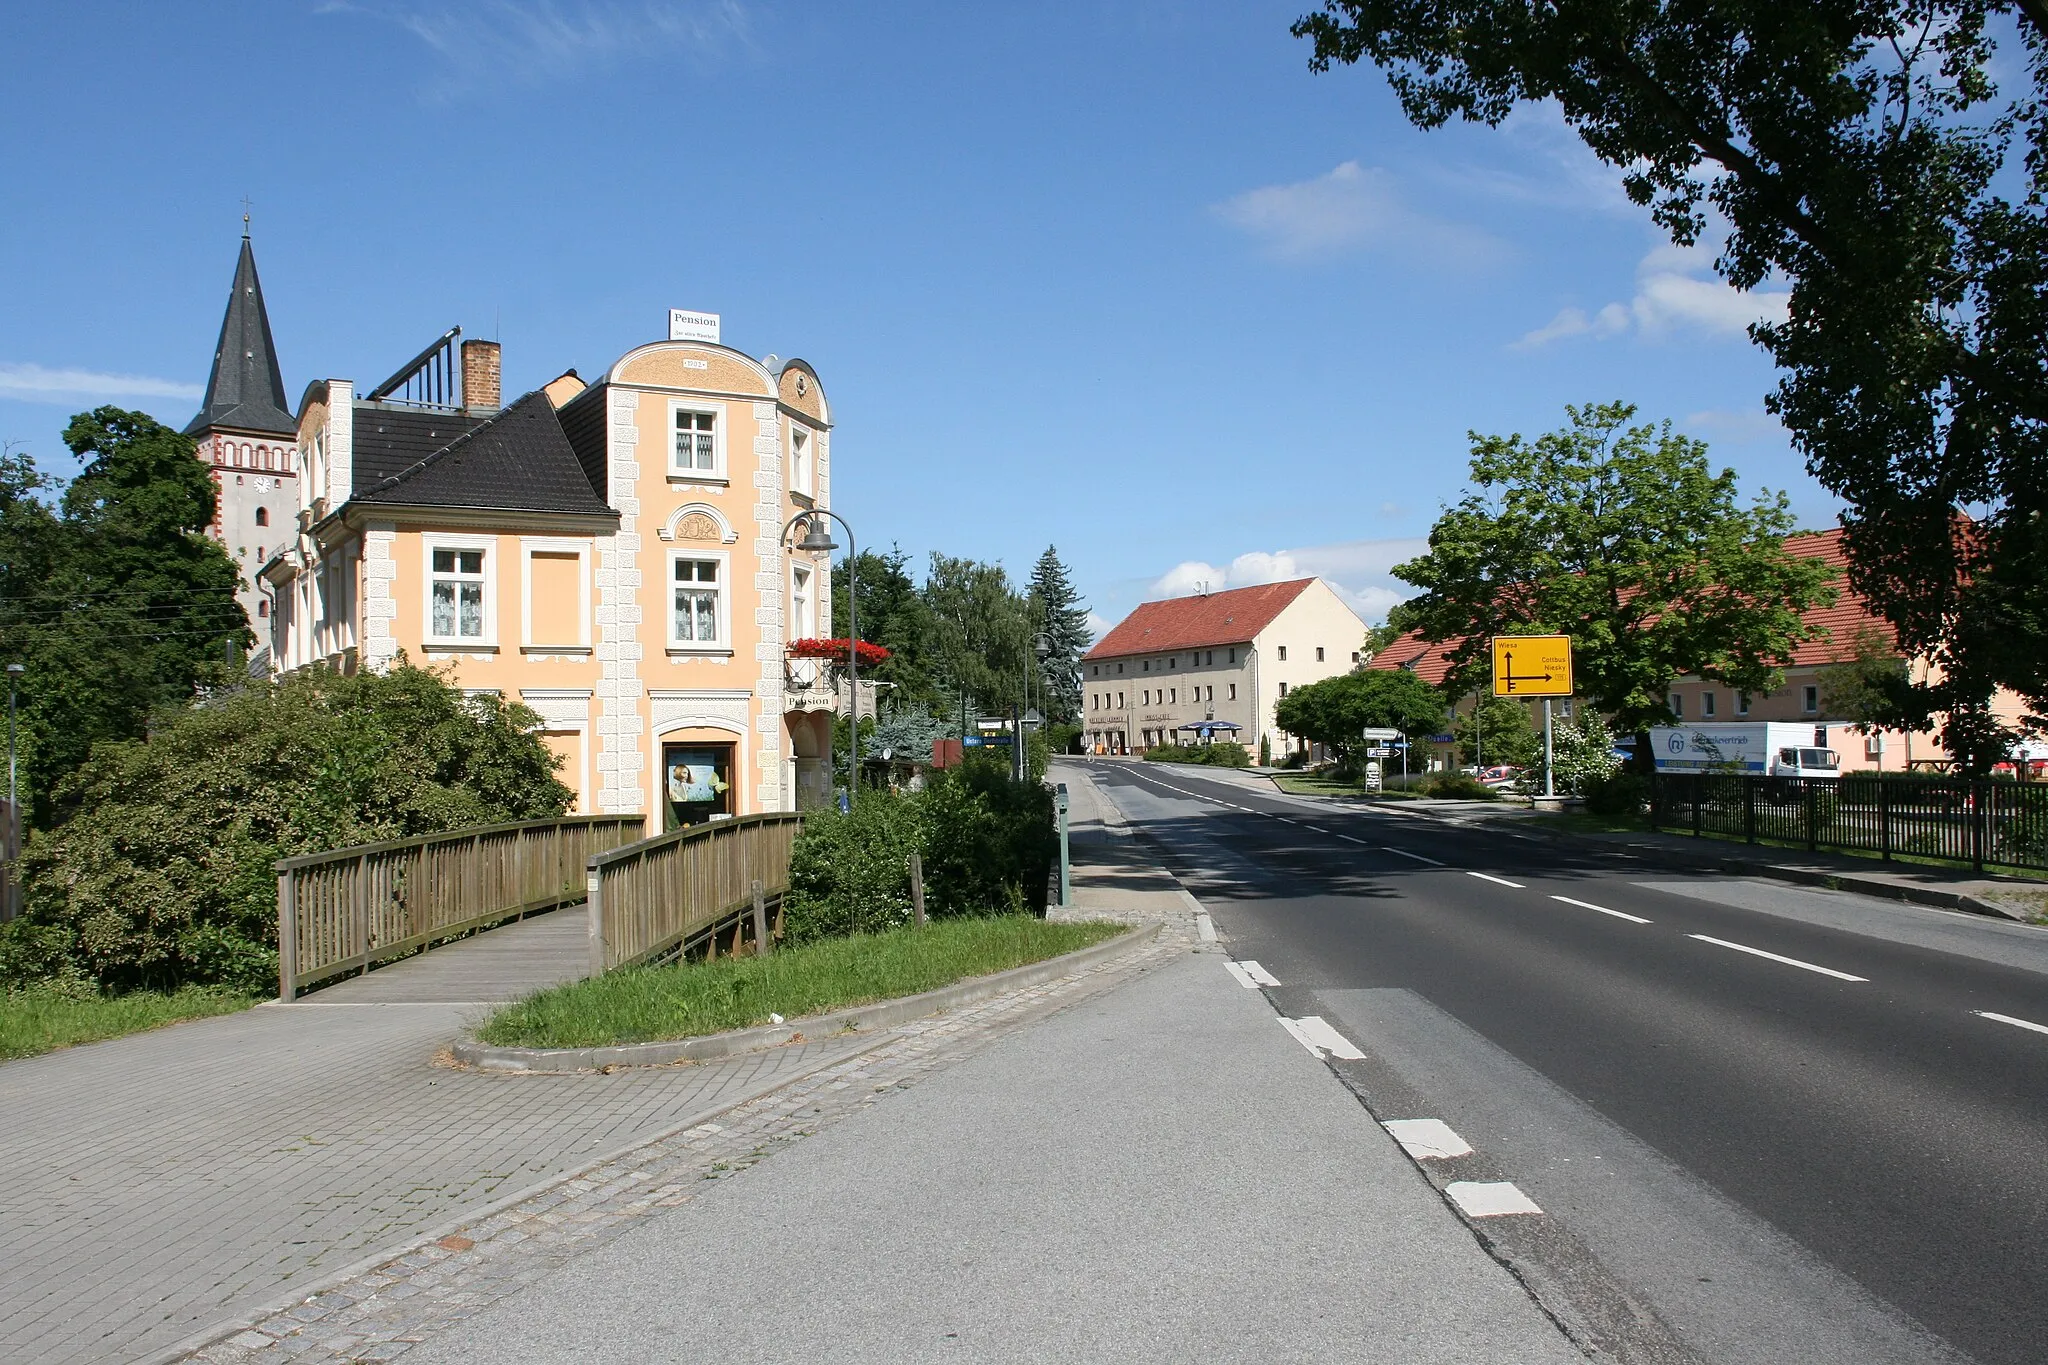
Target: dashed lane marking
1352	838
1427	1139
1259	975
2008	1019
1388	848
1497	881
1489	1198
1788	961
1588	905
1315	1034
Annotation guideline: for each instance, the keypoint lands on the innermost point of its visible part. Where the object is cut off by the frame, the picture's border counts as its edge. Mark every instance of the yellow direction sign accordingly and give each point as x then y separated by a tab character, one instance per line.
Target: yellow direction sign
1532	665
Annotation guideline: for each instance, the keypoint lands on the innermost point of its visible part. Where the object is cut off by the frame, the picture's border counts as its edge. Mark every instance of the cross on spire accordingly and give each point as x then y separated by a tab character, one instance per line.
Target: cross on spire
245	215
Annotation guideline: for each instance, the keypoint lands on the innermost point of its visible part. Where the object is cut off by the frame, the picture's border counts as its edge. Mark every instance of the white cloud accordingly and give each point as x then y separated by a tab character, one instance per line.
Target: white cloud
1098	625
1353	208
1555	169
1358	570
38	384
486	43
1675	291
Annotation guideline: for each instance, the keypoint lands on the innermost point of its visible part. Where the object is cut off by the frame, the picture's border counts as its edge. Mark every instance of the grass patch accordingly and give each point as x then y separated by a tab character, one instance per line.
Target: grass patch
1313	784
647	1004
44	1018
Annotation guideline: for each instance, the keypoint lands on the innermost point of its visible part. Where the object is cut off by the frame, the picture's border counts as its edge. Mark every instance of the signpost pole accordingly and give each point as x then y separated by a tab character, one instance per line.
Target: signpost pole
1549	780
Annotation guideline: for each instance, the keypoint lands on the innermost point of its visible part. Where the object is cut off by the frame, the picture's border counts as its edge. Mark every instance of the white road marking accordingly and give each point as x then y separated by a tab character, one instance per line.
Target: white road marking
1388	848
1498	881
1258	974
1489	1198
1424	1139
1285	821
1588	905
1788	961
1315	1034
1352	839
2008	1019
1244	978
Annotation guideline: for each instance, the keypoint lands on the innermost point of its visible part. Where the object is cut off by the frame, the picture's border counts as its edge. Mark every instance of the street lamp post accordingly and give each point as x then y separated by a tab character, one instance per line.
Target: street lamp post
818	541
14	672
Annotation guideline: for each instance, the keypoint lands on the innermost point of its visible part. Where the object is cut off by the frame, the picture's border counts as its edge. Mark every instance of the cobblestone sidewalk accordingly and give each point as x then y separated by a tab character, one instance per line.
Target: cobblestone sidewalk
381	1313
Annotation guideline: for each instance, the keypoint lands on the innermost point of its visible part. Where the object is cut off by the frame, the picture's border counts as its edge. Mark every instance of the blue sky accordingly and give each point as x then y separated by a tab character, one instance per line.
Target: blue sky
1122	277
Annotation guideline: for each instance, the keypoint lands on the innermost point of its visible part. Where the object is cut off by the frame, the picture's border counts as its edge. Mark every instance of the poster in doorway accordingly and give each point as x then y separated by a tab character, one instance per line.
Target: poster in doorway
698	779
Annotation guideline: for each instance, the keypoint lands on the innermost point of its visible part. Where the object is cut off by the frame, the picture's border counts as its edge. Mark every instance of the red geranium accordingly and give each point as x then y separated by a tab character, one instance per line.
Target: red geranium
834	651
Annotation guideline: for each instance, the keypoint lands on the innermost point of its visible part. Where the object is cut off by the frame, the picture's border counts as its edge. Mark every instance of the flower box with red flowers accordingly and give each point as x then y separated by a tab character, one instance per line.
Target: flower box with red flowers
834	651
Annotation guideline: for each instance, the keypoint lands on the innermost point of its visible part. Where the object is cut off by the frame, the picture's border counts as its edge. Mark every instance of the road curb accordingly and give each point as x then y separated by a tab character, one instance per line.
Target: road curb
882	1014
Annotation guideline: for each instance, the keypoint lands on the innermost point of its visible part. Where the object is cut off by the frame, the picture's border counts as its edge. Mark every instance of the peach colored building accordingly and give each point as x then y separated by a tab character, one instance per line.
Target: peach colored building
607	554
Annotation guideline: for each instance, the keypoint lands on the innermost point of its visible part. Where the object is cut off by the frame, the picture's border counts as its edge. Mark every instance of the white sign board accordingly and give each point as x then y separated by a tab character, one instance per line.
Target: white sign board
1379	732
684	325
1372	777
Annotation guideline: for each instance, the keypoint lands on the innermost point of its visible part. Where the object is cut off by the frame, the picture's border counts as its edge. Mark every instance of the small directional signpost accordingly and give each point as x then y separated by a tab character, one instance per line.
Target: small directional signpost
1534	666
1378	737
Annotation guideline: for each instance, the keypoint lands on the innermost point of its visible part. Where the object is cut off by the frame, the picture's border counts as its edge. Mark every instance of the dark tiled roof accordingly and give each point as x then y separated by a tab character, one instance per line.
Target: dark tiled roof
388	441
518	461
245	391
1217	618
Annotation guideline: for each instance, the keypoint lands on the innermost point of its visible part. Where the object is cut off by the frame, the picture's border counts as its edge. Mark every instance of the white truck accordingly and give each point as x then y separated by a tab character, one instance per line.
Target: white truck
1762	748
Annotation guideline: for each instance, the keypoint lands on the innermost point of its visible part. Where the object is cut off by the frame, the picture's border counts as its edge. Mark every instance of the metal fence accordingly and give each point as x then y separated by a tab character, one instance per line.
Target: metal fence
349	910
1976	821
653	898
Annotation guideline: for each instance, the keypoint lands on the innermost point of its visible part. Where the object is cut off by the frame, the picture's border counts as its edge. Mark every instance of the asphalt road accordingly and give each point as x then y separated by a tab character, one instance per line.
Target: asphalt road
1763	1123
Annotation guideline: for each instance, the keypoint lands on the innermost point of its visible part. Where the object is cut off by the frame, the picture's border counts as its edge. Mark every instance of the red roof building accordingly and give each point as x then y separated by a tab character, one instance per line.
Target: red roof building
1214	664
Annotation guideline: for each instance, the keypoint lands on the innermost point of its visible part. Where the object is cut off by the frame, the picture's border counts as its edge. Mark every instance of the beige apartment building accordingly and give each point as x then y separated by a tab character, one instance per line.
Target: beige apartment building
1219	660
610	553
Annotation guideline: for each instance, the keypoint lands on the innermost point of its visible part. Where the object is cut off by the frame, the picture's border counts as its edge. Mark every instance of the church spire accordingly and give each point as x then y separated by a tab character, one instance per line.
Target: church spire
245	390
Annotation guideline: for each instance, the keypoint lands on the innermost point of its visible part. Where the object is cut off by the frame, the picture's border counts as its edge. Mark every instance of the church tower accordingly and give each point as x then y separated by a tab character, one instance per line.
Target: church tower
246	435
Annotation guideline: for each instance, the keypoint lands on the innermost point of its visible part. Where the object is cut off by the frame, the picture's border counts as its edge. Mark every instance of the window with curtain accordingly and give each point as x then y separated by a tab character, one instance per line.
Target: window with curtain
458	595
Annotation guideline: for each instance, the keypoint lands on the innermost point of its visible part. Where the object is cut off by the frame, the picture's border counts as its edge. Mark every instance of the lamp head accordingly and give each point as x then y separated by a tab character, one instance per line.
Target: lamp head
15	670
817	537
1044	647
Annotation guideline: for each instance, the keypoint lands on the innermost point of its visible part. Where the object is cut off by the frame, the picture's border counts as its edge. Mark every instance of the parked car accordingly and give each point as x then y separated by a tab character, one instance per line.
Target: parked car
1501	775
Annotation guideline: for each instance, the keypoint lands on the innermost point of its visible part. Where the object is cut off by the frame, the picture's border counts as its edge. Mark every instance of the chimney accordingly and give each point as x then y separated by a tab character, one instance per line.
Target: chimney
480	390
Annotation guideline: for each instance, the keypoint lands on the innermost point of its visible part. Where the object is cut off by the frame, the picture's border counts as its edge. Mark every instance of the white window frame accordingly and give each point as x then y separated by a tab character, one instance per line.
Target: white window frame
798	628
489	546
803	436
720	427
1809	700
528	547
722	646
1706	706
1742	703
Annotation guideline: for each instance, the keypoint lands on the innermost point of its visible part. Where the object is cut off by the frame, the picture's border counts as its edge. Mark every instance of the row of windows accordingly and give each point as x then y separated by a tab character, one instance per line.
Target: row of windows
461	588
1809	703
1164	696
248	455
1200	658
699	449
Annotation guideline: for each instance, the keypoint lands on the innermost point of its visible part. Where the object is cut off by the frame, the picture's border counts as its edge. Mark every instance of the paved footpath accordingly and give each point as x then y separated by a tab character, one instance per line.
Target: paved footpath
1152	1172
155	1185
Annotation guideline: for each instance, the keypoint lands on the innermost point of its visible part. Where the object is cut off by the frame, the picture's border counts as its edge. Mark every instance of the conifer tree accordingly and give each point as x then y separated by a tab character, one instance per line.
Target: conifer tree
1060	613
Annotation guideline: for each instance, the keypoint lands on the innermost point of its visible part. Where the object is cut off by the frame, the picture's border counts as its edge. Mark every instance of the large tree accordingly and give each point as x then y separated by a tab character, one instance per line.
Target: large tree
892	615
1336	711
977	634
1623	538
1861	152
115	601
1060	614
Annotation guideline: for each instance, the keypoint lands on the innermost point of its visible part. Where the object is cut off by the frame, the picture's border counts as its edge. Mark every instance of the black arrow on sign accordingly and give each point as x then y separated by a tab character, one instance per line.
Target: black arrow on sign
1514	678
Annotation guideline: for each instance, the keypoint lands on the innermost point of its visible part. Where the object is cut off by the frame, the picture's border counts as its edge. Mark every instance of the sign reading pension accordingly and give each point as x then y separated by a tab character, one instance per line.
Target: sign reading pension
1532	665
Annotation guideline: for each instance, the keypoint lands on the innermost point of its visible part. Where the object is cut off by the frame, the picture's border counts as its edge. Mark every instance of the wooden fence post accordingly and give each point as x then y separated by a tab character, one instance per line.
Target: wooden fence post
362	880
762	943
287	937
593	905
916	889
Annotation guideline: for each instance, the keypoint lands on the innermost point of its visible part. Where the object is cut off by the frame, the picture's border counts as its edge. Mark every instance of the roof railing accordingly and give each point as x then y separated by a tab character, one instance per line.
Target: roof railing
431	379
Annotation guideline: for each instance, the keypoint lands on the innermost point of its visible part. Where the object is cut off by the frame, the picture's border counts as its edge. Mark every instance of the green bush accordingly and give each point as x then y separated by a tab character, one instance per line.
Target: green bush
163	877
850	873
1220	755
1457	787
1620	795
987	844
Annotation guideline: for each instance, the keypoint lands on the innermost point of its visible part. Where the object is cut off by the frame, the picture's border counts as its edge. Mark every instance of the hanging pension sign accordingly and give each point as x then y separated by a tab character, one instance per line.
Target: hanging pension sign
1532	665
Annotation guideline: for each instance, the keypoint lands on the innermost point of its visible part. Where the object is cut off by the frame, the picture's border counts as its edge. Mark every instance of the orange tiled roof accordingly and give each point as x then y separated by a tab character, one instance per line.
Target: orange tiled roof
1218	618
1839	625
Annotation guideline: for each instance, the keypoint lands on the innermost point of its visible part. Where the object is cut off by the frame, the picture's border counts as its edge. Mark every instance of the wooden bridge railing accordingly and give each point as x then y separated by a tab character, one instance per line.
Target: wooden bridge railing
649	899
355	907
